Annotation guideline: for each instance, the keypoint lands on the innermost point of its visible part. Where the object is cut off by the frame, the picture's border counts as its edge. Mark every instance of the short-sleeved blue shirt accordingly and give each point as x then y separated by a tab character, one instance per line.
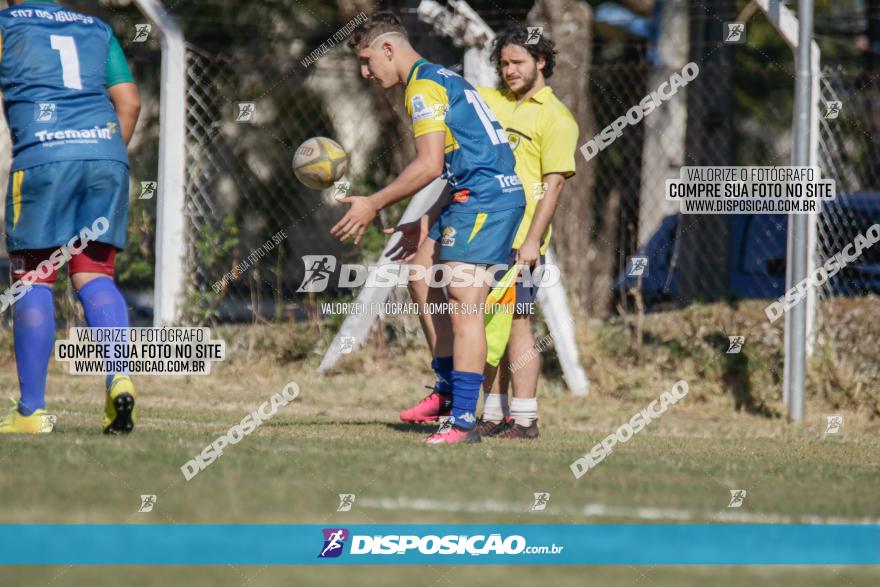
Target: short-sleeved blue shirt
55	67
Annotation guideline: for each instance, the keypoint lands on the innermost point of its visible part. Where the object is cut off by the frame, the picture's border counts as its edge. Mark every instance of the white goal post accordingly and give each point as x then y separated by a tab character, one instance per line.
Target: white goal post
801	250
170	277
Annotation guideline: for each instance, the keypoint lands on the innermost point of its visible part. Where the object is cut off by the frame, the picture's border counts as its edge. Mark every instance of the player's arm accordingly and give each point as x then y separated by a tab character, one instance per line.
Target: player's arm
530	249
559	136
122	90
425	168
127	102
415	232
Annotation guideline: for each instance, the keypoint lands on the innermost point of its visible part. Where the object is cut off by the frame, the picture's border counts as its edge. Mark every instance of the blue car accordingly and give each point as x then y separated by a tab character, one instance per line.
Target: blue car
757	253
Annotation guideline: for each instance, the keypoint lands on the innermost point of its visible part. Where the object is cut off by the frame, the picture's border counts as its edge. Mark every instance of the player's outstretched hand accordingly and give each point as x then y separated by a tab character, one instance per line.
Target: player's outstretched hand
356	220
412	235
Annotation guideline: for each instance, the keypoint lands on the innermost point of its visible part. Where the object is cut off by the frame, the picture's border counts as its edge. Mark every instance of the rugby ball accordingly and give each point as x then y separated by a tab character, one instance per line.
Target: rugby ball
319	162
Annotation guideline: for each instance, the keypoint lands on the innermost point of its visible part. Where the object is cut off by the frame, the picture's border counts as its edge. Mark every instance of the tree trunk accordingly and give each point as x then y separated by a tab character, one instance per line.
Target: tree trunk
663	150
570	25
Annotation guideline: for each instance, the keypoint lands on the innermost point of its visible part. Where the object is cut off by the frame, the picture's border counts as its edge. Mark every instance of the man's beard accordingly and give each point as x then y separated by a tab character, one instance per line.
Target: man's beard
529	83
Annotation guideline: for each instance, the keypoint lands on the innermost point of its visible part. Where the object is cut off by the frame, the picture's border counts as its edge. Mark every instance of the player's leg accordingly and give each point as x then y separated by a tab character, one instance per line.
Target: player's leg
438	333
509	335
34	333
502	379
496	409
38	220
498	324
105	196
526	363
33	328
422	293
104	307
469	351
473	246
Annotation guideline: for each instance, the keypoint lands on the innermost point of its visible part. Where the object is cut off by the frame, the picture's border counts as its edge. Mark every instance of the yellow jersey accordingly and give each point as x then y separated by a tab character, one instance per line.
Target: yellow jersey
543	136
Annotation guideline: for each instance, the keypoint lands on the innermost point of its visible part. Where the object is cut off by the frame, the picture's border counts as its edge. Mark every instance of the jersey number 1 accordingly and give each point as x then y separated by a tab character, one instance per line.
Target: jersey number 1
66	47
486	117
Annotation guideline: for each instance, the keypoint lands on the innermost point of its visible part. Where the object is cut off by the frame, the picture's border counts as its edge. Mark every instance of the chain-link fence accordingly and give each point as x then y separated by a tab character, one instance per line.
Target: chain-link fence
241	190
847	153
848	150
250	104
240	186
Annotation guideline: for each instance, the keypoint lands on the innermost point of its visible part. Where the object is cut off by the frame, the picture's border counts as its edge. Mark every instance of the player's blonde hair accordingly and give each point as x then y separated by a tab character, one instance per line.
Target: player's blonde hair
377	24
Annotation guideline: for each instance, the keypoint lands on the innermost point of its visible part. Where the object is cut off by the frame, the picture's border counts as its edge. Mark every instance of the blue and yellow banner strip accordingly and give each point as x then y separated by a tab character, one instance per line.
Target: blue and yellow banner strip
585	544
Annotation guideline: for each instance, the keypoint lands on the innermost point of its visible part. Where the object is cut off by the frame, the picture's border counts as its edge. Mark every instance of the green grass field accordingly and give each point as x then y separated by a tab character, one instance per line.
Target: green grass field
342	435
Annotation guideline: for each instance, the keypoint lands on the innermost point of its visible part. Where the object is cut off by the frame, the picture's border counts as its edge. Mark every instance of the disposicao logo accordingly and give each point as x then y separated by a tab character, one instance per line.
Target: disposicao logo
334	540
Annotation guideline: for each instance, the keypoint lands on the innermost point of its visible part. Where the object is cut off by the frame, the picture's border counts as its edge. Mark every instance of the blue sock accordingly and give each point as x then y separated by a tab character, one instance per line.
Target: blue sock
104	307
443	369
33	327
465	394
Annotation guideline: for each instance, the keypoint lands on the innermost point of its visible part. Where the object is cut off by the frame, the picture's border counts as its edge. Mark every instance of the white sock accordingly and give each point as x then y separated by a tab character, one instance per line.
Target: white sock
524	411
495	407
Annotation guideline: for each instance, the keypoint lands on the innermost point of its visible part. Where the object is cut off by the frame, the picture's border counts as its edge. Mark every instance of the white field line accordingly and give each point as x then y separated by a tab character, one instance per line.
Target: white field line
591	510
598	510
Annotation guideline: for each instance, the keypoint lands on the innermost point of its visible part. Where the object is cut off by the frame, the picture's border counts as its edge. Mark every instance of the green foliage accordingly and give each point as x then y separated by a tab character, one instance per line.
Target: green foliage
302	339
372	243
763	91
257	26
68	310
217	252
136	263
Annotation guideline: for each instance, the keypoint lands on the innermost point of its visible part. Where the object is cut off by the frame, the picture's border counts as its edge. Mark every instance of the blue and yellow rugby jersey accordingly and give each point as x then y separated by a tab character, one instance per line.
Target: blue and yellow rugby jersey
479	162
55	67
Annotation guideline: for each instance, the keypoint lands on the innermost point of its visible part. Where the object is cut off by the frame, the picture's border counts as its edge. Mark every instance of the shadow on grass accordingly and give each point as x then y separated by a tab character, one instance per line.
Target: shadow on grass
396	426
319	422
407	427
735	377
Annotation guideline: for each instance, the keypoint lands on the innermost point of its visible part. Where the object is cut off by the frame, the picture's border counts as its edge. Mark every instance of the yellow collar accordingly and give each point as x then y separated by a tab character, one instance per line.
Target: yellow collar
540	97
